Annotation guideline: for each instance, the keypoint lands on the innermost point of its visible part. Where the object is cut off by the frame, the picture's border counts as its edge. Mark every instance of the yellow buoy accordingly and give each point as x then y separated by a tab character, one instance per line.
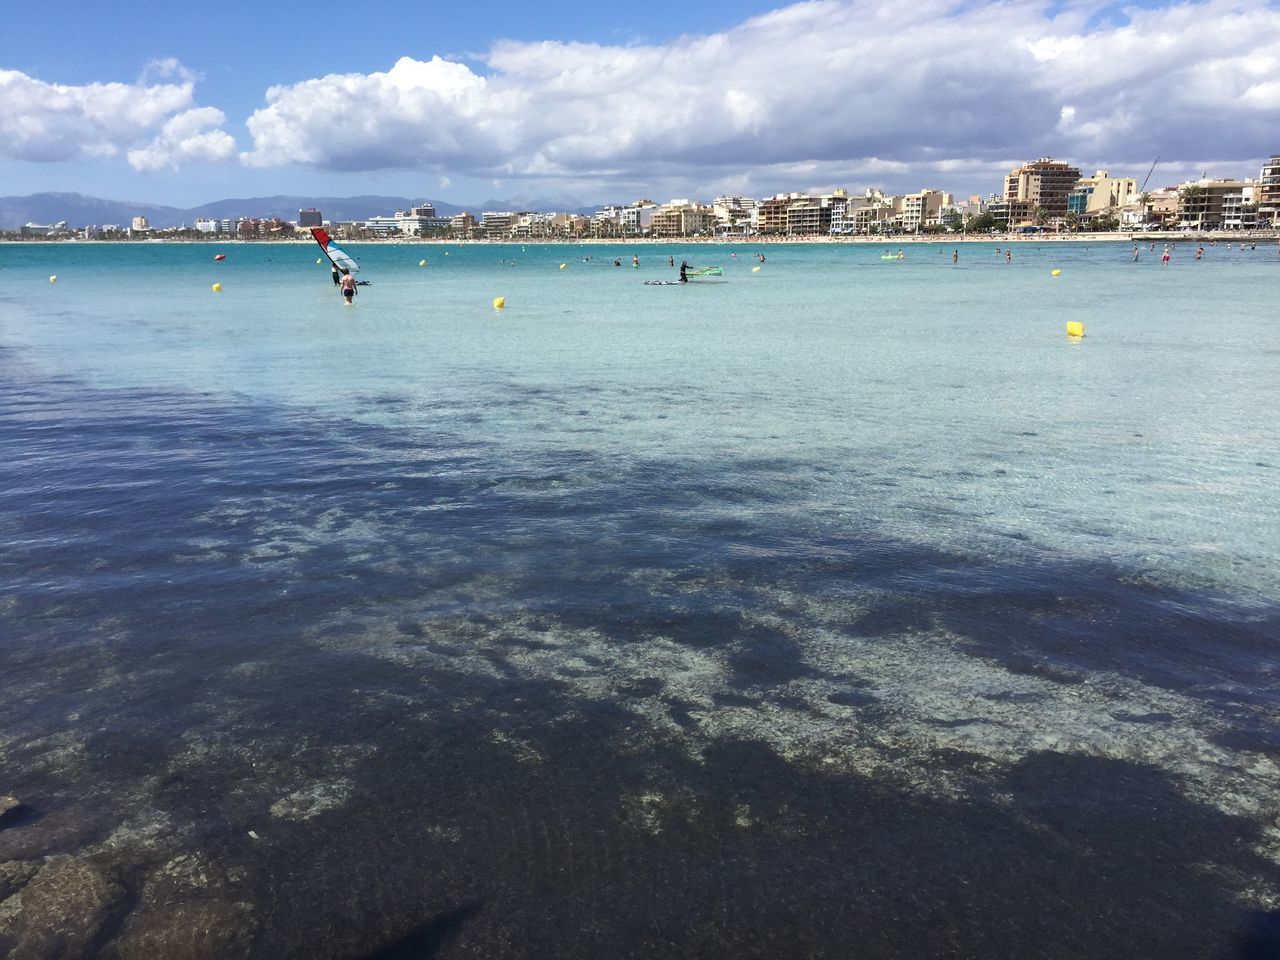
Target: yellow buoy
318	260
755	269
54	278
563	265
1075	328
499	302
422	263
217	288
1055	272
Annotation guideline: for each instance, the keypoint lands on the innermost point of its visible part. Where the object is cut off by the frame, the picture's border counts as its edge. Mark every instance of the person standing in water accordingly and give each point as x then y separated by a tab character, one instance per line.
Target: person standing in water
348	286
955	256
635	261
337	275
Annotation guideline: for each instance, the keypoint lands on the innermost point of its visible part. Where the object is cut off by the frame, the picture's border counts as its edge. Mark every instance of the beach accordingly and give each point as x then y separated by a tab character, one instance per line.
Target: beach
840	606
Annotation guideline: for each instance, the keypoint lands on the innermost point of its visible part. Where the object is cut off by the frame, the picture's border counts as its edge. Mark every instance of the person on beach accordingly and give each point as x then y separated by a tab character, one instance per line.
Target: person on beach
684	271
348	286
337	275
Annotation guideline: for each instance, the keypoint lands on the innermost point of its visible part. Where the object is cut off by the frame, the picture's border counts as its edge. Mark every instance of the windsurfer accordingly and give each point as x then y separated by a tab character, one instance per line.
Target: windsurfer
684	271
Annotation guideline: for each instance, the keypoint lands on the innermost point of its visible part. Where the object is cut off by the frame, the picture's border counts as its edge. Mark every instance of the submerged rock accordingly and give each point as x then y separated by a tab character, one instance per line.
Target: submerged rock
196	930
64	906
14	875
8	804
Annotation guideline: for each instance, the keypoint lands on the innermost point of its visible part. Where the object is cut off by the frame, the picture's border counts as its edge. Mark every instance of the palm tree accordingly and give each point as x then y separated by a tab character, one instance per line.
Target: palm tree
1190	197
1144	199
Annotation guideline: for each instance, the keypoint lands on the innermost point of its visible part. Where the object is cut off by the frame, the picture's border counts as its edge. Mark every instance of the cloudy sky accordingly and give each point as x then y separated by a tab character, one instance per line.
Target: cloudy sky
184	103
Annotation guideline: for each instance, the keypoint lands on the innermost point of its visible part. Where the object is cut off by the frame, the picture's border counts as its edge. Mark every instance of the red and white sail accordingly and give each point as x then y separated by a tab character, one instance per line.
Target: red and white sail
335	253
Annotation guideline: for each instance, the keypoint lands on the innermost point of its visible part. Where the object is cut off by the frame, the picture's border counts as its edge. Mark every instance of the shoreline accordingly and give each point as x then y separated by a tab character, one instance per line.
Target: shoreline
1165	236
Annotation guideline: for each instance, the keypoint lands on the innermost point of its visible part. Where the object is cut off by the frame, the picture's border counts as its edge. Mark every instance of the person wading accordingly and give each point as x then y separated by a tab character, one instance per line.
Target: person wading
348	286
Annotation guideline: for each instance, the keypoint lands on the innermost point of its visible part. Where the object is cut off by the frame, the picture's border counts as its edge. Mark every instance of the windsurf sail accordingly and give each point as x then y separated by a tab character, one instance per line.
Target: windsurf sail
337	256
705	272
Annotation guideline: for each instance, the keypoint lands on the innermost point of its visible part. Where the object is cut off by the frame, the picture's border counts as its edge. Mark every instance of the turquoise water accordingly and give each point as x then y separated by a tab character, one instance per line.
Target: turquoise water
942	401
845	601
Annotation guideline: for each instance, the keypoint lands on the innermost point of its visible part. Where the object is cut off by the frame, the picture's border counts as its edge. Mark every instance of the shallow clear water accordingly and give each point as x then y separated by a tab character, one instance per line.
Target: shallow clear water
842	587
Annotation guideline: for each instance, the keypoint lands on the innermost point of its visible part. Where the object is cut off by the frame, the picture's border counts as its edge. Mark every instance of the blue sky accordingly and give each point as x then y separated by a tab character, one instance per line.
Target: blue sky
169	103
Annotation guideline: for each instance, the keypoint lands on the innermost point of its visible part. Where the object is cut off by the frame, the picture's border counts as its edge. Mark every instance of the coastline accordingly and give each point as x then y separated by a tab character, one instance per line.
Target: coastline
1159	236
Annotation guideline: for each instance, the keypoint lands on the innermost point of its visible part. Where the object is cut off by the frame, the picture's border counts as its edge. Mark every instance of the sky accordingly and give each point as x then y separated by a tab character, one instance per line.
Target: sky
585	103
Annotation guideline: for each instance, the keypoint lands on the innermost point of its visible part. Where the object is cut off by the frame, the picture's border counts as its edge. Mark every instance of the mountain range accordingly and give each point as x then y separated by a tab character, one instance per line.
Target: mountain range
79	210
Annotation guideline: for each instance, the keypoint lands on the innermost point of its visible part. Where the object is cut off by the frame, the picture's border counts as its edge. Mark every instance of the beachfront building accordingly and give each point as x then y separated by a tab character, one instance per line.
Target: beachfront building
1268	193
531	226
772	214
636	218
964	211
310	217
36	231
211	227
419	221
1215	204
633	220
140	223
497	224
683	218
914	211
1159	210
811	216
462	225
570	225
868	213
1101	195
537	226
735	216
1240	208
1038	191
607	222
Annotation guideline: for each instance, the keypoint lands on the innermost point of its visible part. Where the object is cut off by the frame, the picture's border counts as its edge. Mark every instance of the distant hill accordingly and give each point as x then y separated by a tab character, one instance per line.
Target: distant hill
79	210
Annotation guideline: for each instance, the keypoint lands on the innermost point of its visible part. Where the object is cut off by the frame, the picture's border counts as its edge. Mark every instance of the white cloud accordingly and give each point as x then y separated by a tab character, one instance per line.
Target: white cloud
832	83
184	139
48	121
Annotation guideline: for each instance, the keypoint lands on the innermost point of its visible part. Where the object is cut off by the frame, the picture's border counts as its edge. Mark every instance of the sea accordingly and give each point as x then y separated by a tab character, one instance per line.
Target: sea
834	607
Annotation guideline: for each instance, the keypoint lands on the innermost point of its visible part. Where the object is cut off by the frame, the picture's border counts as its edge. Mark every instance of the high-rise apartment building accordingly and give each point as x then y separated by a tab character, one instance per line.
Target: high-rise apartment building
1268	193
1041	185
310	218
